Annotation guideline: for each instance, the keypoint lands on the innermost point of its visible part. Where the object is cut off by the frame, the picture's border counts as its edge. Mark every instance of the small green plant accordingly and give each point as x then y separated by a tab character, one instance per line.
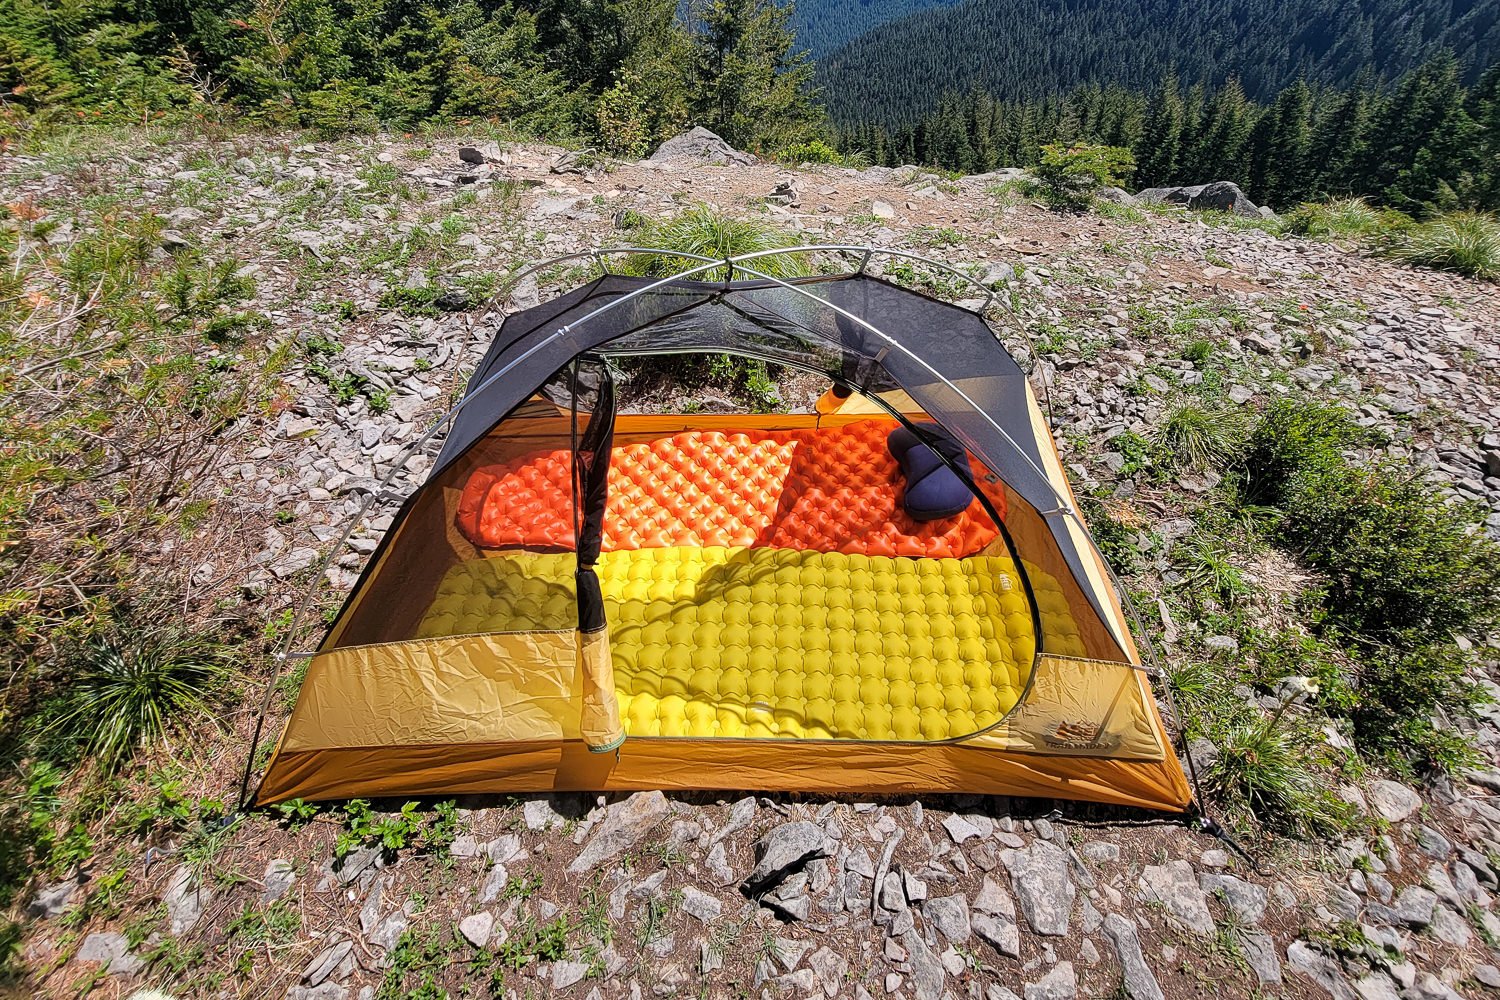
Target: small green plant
1069	175
1264	769
133	687
408	827
1465	242
296	813
1197	438
1198	351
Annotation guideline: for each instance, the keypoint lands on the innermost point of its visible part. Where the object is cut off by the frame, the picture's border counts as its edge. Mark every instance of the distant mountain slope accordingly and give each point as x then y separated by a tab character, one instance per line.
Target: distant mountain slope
826	25
1026	48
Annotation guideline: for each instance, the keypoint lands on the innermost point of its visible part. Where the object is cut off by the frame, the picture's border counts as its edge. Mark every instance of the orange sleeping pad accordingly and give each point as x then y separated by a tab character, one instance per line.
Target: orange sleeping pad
823	489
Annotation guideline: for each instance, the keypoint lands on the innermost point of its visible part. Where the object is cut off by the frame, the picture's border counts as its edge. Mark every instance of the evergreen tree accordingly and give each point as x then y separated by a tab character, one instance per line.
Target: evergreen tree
753	85
1426	142
1161	142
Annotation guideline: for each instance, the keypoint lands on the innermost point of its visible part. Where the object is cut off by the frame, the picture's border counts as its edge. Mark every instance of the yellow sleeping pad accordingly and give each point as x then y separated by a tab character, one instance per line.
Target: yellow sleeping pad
784	643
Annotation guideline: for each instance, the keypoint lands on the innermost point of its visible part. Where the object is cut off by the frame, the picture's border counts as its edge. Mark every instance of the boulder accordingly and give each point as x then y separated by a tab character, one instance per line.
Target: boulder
1221	196
701	145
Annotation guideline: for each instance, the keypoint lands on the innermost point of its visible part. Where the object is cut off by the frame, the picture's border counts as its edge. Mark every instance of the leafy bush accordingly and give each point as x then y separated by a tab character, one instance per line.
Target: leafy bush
1341	218
1401	689
1465	242
1404	573
132	687
1070	175
1294	435
814	151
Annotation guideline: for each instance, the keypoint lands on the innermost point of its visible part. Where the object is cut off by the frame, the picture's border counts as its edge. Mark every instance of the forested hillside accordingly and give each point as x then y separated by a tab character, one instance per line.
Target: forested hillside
623	73
1035	48
823	26
1426	144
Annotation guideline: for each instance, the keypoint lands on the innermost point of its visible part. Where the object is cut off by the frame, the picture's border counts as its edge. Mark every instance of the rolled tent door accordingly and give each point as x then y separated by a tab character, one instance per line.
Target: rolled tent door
600	723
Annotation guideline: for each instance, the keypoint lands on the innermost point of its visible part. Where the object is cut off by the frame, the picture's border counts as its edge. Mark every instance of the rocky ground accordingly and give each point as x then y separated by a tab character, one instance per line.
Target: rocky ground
375	264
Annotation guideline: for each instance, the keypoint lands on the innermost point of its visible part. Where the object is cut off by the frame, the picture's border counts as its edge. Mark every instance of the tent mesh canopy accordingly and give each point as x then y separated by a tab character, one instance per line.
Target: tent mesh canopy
580	597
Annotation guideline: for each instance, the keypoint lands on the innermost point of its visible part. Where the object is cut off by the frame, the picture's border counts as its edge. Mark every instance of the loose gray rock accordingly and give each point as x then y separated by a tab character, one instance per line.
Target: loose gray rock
1260	954
994	919
1140	982
701	145
960	829
1307	961
622	827
1377	986
1246	899
185	899
927	974
328	991
323	964
829	968
112	951
882	209
784	849
389	930
1039	875
52	900
1174	887
356	863
1059	984
1393	801
568	974
278	880
950	915
1415	906
700	905
477	927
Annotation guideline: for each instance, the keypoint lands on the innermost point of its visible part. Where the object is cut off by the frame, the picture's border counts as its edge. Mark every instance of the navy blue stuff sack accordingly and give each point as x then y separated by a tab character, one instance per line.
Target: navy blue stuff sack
933	491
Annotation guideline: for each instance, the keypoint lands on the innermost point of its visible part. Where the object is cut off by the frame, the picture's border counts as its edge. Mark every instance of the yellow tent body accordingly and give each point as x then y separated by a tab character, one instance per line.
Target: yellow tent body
585	599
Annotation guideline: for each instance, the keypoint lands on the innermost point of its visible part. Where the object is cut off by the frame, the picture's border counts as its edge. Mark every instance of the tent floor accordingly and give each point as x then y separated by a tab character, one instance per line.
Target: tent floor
783	643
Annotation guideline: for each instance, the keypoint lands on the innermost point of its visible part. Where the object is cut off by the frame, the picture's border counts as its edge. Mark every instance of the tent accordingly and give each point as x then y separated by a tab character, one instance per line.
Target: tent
583	598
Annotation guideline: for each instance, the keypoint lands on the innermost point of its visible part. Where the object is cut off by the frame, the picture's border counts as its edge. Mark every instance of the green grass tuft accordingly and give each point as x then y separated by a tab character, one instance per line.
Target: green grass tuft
702	230
132	688
1341	219
1197	438
1464	242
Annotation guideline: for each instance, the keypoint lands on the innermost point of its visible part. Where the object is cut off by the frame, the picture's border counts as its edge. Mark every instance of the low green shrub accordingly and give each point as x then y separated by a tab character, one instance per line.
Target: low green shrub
1465	242
1403	572
1401	689
813	151
1400	563
1292	435
1069	175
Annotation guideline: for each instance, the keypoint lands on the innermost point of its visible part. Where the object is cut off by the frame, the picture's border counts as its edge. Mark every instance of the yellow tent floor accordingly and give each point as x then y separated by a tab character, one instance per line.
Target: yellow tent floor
784	643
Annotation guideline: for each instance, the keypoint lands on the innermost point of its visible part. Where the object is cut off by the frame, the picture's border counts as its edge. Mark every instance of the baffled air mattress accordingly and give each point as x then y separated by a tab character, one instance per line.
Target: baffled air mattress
754	642
827	489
